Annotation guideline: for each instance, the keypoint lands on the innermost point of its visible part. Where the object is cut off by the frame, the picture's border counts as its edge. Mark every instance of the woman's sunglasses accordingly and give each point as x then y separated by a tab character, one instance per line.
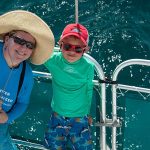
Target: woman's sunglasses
69	47
20	41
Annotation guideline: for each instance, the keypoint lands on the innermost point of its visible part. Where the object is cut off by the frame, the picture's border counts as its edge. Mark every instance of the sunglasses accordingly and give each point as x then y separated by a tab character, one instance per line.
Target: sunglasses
20	41
69	47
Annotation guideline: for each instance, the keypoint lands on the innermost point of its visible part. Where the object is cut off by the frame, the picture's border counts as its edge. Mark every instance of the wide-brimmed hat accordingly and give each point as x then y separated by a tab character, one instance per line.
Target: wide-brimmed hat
77	30
31	23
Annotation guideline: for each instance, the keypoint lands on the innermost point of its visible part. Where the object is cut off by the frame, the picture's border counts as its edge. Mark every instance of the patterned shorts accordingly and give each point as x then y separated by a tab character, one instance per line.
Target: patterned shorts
63	130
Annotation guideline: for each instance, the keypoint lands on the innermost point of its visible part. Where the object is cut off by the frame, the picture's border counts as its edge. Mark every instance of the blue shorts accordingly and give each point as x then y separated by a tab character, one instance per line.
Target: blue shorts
62	130
5	139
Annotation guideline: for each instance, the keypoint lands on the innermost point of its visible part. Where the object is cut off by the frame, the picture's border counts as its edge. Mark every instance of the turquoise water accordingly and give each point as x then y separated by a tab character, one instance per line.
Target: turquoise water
119	30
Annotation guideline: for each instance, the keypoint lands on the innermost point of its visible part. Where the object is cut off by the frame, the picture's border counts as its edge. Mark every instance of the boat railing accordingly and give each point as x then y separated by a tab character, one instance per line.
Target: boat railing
29	144
118	69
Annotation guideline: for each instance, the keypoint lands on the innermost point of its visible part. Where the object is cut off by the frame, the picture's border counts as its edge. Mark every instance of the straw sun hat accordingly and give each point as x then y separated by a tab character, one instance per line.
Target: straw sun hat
31	23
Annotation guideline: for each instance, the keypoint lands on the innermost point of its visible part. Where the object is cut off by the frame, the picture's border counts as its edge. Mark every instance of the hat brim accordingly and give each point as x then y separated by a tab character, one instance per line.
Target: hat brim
31	23
74	34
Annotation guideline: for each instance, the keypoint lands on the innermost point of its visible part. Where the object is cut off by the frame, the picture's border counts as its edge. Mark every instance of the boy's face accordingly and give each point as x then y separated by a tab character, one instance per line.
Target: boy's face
72	48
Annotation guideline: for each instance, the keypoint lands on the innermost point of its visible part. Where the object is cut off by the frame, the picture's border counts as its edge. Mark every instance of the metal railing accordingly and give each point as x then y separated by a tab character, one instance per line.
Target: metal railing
125	87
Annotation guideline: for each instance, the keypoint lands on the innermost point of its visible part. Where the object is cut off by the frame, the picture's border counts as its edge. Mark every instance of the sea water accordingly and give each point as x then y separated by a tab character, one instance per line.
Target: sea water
118	30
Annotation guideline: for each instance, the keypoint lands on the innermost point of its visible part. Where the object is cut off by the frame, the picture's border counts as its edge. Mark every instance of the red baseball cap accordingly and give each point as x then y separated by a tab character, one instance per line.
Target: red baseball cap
77	30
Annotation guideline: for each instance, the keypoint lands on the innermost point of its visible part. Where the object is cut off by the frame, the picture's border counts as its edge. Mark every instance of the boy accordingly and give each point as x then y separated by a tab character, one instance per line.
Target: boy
72	76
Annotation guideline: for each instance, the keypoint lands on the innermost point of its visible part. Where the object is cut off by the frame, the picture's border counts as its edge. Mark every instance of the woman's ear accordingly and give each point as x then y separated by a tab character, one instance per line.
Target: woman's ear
6	38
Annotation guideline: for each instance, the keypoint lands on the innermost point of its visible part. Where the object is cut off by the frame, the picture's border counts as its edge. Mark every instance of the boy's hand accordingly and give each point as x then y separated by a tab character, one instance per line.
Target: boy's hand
90	120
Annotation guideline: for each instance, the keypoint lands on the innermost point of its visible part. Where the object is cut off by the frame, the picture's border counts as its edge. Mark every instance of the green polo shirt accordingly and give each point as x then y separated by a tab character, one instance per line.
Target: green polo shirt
72	85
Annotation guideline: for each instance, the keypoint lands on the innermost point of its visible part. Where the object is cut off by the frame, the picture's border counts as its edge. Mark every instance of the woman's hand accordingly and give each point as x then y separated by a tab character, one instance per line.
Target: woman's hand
1	102
3	116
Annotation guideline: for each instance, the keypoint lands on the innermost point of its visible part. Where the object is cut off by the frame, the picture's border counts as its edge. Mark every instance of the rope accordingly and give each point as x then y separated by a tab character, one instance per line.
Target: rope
76	11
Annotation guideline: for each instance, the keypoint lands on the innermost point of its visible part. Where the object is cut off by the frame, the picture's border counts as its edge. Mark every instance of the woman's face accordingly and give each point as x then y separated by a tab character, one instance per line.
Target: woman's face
19	46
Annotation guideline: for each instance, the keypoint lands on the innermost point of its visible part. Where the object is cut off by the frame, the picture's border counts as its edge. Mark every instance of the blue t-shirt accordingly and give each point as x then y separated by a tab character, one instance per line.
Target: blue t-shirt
9	82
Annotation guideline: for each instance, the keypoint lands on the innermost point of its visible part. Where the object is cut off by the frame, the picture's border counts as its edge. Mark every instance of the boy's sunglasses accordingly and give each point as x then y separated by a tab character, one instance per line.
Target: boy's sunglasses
20	41
69	47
